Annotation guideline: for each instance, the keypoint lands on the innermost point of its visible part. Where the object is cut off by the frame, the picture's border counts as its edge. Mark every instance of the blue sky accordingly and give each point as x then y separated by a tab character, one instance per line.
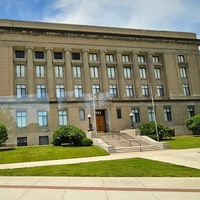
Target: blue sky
174	15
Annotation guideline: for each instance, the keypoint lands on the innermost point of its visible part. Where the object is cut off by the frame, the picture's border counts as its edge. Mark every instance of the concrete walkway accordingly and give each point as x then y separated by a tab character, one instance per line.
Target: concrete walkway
106	188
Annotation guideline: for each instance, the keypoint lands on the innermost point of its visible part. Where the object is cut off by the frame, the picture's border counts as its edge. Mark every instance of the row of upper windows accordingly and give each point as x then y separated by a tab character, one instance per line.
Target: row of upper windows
94	57
79	93
94	71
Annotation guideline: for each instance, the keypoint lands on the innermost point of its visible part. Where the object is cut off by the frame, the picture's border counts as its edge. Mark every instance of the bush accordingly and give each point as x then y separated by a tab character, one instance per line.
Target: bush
68	134
3	134
193	124
86	142
149	129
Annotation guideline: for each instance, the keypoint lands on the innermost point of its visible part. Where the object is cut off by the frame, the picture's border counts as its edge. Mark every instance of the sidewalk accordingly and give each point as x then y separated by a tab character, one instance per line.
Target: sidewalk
90	188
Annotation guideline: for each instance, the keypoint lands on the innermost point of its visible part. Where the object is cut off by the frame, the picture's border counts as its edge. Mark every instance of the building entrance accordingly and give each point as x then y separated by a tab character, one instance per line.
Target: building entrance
100	121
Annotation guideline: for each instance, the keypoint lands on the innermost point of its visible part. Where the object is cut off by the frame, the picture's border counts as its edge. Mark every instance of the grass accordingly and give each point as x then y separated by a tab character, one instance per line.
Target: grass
39	153
185	142
133	167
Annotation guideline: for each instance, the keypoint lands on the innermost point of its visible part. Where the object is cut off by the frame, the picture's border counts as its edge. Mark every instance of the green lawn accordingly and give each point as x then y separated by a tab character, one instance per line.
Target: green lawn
185	142
134	167
39	153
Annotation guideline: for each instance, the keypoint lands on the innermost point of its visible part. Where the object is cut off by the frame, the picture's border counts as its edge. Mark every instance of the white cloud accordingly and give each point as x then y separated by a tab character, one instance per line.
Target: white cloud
179	15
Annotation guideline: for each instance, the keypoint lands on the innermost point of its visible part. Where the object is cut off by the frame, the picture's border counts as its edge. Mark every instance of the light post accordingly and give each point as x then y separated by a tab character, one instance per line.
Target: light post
90	125
132	124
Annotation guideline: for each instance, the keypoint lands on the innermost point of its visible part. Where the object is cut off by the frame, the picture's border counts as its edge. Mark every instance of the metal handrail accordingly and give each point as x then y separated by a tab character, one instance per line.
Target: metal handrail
130	140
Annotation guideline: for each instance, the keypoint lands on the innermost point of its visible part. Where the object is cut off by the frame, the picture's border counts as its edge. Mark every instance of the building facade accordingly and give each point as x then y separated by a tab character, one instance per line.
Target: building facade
56	74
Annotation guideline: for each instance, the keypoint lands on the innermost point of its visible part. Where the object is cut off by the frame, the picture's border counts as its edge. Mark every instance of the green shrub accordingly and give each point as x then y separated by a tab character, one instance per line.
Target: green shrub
149	129
193	124
3	134
86	142
68	134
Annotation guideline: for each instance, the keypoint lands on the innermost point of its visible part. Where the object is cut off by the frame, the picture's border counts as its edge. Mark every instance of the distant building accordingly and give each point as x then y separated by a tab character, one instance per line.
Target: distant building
56	74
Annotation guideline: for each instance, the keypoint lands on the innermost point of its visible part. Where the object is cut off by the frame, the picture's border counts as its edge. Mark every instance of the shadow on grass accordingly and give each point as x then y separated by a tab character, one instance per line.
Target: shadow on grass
6	148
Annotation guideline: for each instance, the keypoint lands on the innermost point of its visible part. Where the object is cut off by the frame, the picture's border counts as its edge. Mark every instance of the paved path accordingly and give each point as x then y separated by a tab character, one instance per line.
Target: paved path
106	188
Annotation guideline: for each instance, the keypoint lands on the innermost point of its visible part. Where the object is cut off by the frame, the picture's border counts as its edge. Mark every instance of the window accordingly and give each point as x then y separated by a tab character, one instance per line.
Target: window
111	72
119	113
110	57
129	90
125	58
156	59
191	111
183	72
43	140
78	91
39	54
62	117
21	119
76	56
21	91
60	92
93	57
167	114
57	55
95	89
77	71
186	90
157	72
136	115
127	72
160	90
143	73
151	114
59	71
82	114
145	90
19	54
41	91
22	141
94	72
181	58
113	90
42	118
20	70
39	71
141	59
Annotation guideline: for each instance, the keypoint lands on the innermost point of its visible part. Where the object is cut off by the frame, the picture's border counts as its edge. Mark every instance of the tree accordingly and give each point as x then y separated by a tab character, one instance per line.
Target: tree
193	124
3	134
149	129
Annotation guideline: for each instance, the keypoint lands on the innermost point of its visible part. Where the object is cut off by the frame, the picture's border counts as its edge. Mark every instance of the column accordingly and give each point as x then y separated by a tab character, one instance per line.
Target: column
50	74
103	71
136	75
68	73
86	73
120	74
30	72
151	73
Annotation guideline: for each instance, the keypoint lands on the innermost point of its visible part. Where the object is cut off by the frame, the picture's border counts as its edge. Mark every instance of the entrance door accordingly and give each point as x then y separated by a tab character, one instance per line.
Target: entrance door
100	121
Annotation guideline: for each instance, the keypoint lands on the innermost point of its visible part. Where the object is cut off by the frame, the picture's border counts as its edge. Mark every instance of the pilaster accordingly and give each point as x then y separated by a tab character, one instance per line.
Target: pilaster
151	73
103	69
86	72
50	73
30	71
136	75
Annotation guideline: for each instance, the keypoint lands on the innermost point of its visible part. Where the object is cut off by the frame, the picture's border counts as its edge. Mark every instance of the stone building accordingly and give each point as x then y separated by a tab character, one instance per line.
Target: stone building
56	74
